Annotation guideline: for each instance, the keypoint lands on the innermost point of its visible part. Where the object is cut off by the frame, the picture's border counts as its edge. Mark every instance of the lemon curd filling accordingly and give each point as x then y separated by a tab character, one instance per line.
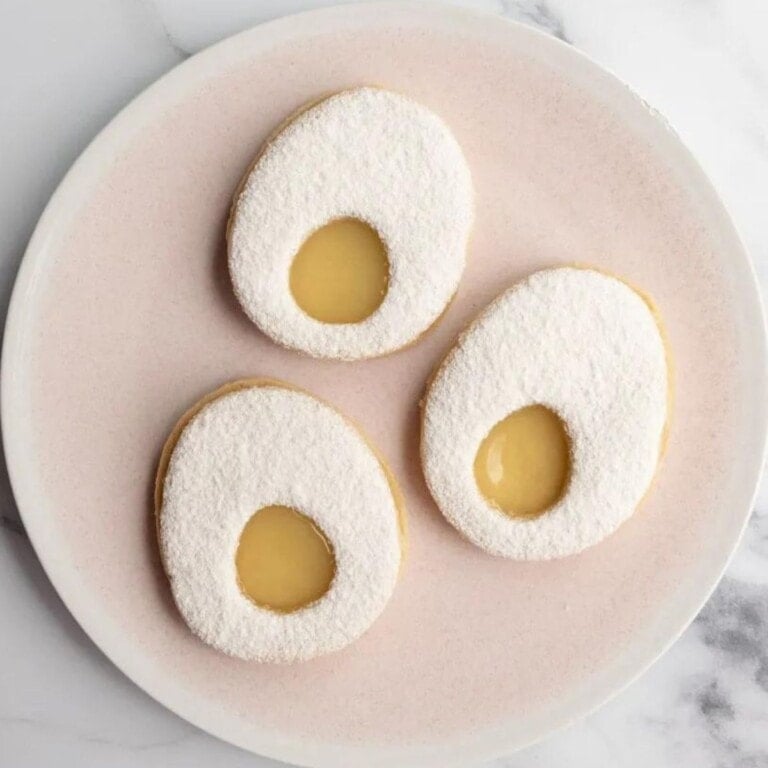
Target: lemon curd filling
523	464
284	561
341	272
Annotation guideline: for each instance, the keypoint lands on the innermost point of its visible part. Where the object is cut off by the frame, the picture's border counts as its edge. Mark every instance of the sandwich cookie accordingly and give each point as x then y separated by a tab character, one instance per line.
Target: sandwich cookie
279	527
347	237
543	427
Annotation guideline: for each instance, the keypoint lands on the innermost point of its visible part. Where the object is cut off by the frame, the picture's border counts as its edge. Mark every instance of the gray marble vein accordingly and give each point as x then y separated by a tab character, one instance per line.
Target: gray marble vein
13	525
537	13
158	21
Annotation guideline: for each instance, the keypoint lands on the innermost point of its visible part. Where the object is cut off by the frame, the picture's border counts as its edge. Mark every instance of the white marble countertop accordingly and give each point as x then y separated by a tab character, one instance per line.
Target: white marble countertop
66	68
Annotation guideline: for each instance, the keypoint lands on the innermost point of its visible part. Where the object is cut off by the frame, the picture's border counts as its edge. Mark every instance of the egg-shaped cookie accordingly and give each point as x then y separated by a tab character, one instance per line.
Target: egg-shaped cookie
348	235
279	526
543	426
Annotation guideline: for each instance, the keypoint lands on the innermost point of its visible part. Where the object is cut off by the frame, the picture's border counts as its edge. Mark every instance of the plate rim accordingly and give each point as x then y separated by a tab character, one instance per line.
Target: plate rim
30	501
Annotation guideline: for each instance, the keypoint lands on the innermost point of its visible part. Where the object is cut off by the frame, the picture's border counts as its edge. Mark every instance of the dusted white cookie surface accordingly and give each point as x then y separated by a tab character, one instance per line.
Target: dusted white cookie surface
588	347
262	446
371	155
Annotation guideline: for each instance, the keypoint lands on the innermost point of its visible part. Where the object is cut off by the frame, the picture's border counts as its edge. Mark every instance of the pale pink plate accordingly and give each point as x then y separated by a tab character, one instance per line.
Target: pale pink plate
123	316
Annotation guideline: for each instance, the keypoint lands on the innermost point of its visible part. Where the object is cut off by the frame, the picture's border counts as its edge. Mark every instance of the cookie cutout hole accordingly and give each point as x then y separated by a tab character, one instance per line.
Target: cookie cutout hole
523	464
341	272
284	561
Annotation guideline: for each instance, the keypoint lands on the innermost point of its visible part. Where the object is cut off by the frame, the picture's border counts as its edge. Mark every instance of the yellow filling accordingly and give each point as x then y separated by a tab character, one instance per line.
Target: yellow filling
523	464
284	561
341	273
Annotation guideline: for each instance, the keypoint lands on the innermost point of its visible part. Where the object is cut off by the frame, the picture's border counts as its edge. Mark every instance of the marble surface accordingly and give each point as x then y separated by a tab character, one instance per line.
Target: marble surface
68	67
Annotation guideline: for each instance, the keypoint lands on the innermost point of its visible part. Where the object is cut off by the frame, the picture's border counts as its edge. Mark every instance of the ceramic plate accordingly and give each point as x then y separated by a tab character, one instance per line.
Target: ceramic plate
123	316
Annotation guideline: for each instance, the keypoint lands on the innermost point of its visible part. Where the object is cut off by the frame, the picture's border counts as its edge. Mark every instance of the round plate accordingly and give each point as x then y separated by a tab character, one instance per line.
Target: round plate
123	316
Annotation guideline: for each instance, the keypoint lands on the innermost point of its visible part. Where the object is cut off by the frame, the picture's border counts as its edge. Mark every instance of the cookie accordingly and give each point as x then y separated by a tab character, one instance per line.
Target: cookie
347	238
280	529
543	427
